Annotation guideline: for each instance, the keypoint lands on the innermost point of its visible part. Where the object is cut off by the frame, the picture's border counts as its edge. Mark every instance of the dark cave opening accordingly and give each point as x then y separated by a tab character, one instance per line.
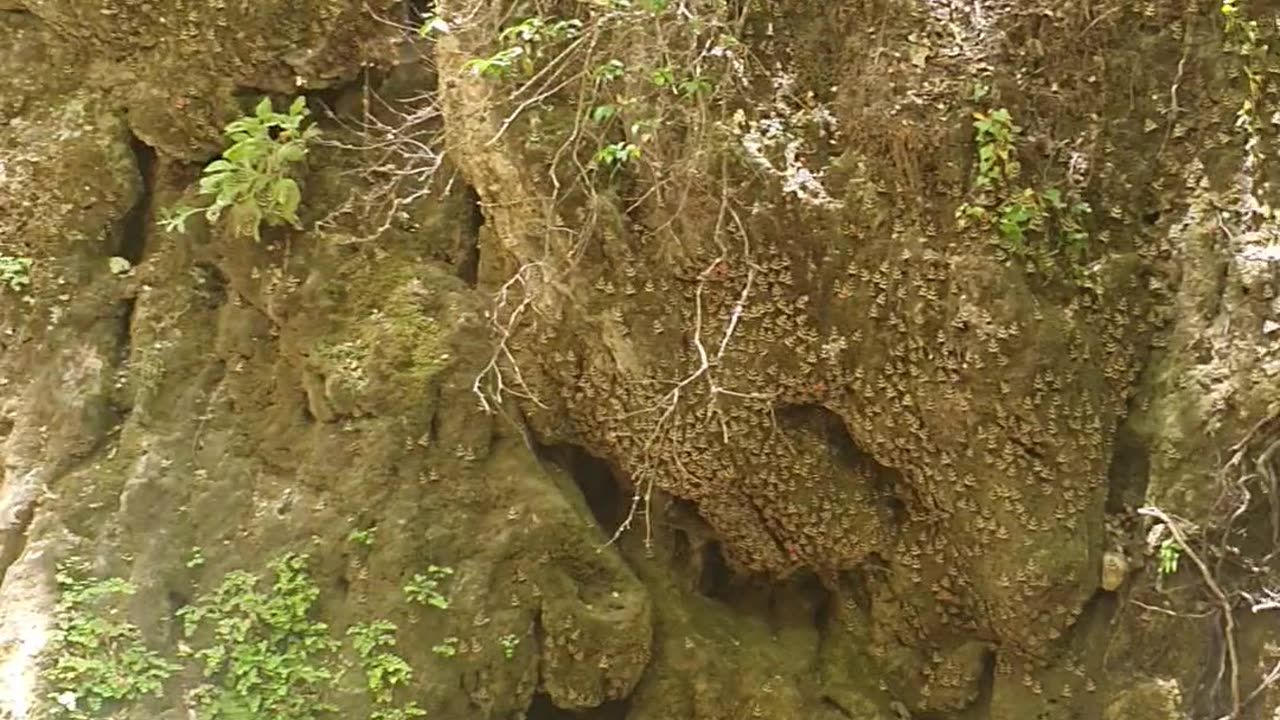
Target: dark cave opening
469	263
596	480
716	579
543	709
134	230
801	600
1128	472
986	683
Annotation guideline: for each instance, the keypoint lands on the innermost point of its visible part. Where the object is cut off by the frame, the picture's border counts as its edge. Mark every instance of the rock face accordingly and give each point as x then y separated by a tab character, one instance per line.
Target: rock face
645	360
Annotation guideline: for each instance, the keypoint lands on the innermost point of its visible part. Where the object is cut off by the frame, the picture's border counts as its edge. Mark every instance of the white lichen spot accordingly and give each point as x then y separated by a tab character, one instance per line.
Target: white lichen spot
776	142
973	26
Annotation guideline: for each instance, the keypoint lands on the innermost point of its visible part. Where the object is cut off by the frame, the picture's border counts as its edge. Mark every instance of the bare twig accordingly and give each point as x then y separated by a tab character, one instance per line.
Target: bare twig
492	371
1173	613
1228	617
1266	469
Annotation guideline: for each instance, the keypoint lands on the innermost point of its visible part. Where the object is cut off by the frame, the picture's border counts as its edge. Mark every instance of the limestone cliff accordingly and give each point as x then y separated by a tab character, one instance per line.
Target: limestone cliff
644	359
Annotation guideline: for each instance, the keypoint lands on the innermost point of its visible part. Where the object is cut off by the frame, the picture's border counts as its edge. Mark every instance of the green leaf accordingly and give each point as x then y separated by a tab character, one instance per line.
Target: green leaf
299	106
244	150
663	77
242	129
217	166
603	113
611	70
286	196
263	110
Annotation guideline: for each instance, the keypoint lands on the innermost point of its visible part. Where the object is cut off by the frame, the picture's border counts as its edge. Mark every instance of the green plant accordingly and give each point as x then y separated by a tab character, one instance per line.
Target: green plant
363	537
1015	213
1243	39
1167	557
695	86
522	43
447	648
615	155
404	712
995	135
611	70
384	671
261	653
498	65
540	30
663	77
508	643
99	659
15	272
601	114
252	179
424	588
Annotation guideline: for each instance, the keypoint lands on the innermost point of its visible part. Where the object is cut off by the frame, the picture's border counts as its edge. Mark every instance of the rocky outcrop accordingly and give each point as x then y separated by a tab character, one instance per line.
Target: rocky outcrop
676	375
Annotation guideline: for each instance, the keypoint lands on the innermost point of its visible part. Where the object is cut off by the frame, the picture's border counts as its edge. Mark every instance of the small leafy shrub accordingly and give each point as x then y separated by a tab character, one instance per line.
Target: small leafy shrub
263	655
15	272
1243	39
447	647
523	44
99	660
509	644
615	155
1016	213
251	181
384	671
363	537
424	588
1167	557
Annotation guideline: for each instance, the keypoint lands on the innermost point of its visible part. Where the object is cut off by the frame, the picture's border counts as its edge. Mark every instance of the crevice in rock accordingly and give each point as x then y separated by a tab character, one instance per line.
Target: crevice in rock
134	229
121	404
986	685
469	262
417	11
124	337
799	601
1129	471
308	417
596	480
543	709
716	577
